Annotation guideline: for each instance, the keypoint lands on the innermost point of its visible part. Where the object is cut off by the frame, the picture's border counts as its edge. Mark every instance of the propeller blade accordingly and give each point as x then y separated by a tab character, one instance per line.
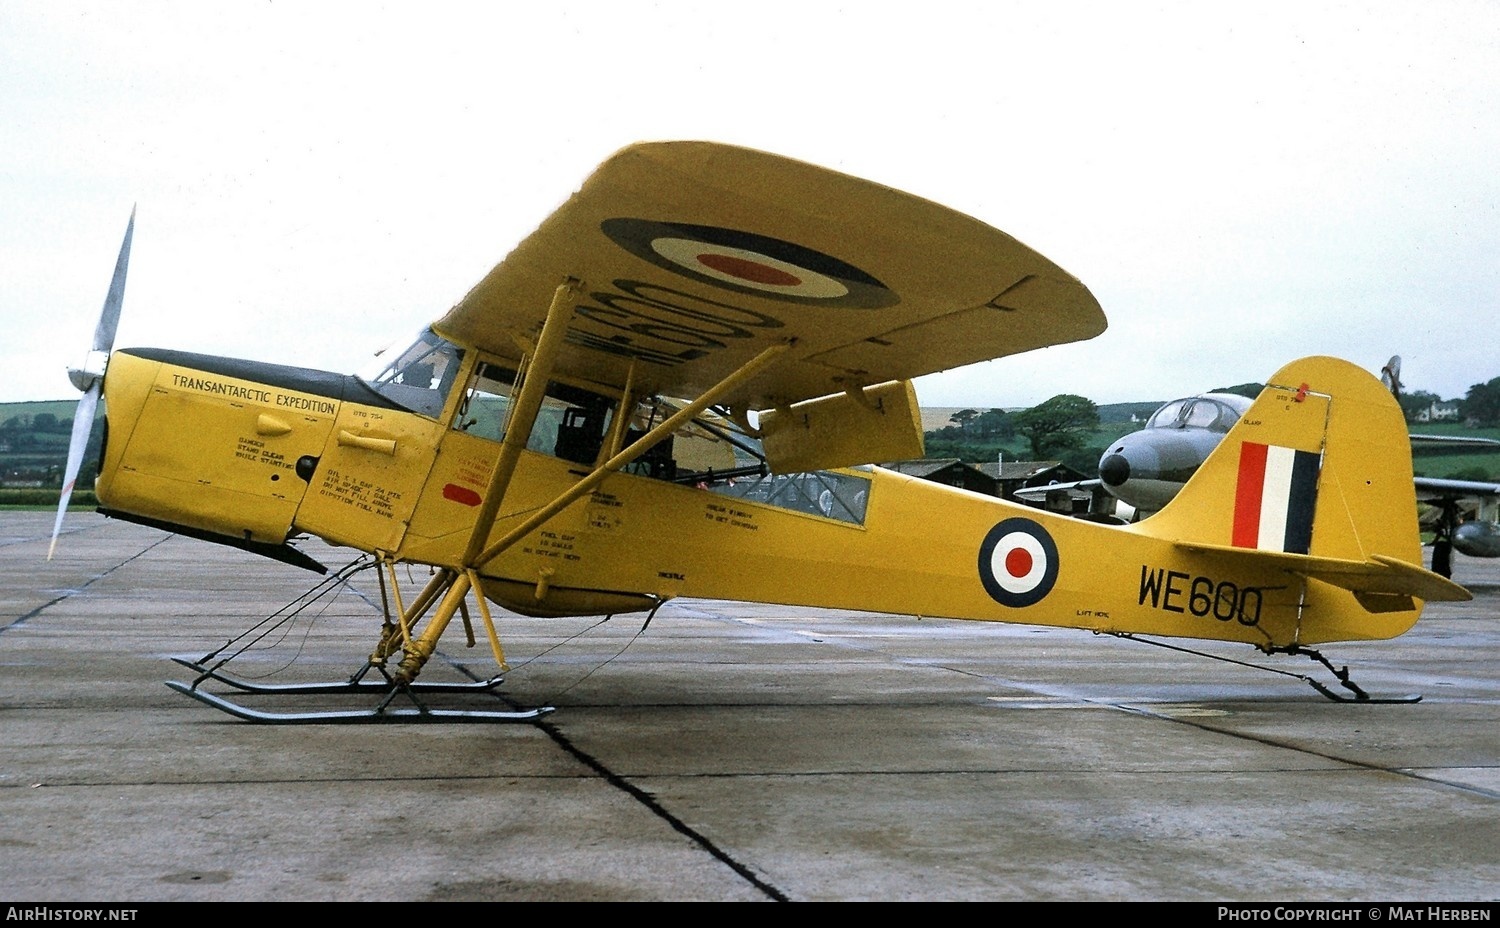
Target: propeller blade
109	319
90	379
83	423
1390	375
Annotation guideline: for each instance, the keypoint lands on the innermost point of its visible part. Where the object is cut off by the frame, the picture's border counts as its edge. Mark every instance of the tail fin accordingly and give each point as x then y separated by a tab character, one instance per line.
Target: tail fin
1316	479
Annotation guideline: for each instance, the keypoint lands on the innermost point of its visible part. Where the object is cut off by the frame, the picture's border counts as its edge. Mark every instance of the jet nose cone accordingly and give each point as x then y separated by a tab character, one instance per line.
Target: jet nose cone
1114	470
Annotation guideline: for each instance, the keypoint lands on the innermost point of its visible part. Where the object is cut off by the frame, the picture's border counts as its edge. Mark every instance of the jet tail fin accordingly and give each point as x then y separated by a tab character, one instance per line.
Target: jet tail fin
1316	480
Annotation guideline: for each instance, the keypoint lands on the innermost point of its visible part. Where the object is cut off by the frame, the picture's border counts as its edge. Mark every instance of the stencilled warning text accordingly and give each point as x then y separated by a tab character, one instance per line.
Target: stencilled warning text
729	515
557	545
360	494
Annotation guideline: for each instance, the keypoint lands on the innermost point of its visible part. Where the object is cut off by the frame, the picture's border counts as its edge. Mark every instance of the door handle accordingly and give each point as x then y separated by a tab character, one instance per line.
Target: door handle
382	445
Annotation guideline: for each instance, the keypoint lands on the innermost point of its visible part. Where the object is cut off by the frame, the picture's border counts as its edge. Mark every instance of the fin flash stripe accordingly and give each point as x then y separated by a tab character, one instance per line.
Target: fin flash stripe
1274	498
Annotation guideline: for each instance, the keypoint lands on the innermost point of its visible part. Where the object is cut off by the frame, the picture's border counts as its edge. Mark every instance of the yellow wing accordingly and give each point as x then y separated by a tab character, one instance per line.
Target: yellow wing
696	256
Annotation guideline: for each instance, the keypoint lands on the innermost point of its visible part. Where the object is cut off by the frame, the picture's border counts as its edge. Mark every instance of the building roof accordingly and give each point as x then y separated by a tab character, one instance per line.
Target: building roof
1025	470
925	467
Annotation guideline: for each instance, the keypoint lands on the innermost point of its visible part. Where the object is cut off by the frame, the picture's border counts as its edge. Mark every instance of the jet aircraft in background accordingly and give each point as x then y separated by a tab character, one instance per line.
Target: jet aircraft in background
1143	471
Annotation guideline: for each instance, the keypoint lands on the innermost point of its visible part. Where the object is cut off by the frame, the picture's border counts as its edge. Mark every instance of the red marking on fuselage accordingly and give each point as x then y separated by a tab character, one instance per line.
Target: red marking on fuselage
461	494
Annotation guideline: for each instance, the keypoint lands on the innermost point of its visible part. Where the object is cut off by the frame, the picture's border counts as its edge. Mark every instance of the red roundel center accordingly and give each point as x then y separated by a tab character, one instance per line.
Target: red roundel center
1018	562
749	270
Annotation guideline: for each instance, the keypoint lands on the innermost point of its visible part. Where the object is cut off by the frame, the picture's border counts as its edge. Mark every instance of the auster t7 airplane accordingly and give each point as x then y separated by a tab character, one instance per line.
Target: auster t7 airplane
674	387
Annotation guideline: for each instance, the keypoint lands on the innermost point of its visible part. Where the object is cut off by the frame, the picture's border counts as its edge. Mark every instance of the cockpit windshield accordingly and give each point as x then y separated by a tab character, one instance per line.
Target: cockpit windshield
417	375
1216	412
1167	416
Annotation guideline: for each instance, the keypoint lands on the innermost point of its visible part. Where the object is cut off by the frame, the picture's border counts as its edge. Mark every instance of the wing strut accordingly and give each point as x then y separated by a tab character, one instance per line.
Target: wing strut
422	648
537	374
665	428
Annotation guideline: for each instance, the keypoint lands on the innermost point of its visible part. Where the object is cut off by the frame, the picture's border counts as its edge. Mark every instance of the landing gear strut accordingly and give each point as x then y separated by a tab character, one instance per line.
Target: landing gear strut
1442	541
398	697
1342	673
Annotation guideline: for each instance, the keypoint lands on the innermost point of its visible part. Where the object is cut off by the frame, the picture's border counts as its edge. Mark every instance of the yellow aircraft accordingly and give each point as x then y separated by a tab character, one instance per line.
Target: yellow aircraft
676	387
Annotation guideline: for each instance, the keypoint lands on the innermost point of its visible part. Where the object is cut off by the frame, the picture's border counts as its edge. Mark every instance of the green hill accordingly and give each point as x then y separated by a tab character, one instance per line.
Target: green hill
34	444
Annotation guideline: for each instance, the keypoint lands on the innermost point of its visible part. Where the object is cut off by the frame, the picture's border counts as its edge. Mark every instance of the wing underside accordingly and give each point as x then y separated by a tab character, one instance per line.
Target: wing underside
696	256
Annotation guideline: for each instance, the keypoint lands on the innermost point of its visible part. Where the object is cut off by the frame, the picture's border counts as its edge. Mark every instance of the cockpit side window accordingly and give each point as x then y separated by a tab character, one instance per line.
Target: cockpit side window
1225	418
571	423
419	376
1229	408
1202	414
486	402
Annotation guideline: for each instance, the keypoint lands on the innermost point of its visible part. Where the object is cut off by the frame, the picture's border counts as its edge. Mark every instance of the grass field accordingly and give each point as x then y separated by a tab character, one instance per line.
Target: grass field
1470	465
29	498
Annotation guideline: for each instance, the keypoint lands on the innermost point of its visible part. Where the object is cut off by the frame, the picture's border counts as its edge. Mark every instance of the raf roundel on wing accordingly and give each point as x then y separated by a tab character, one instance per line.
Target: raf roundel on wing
745	262
1018	563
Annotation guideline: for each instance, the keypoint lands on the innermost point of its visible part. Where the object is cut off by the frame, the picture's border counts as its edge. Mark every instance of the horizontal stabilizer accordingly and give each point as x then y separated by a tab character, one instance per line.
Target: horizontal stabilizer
1378	574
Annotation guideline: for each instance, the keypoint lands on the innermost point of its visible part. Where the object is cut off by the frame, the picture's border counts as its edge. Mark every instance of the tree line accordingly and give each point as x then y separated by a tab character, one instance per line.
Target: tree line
1479	407
1061	428
1067	427
34	450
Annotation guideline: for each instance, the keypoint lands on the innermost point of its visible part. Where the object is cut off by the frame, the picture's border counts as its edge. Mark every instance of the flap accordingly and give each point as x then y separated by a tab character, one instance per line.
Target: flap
881	423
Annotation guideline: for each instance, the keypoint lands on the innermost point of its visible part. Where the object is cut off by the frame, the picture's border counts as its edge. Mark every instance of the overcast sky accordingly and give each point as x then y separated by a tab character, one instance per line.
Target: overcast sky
1238	184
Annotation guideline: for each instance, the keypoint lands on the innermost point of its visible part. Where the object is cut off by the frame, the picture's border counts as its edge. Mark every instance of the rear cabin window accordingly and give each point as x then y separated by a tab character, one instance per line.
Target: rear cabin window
827	493
715	454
